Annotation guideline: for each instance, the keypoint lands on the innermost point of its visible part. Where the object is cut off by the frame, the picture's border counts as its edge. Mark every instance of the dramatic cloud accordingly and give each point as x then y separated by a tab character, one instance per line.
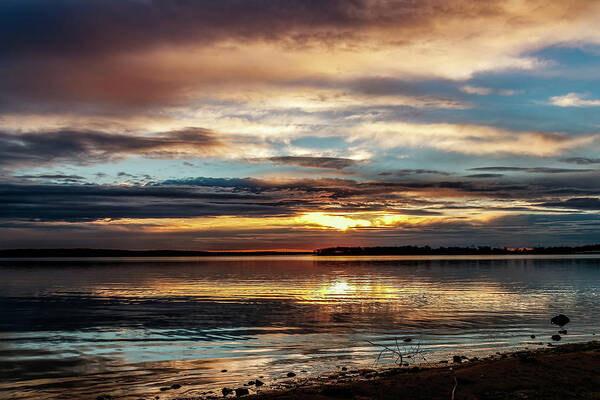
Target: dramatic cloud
573	100
315	162
581	160
534	170
408	172
39	148
482	91
470	139
484	176
238	123
584	203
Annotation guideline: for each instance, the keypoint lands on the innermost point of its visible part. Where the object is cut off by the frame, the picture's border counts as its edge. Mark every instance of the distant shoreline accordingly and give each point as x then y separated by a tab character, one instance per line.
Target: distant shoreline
325	252
93	253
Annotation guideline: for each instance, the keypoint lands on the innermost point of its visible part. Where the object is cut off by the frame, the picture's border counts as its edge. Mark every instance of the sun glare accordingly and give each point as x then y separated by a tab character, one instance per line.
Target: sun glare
339	222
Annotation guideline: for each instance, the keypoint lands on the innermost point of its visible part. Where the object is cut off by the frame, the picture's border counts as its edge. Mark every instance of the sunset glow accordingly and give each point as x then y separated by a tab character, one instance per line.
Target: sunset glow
245	125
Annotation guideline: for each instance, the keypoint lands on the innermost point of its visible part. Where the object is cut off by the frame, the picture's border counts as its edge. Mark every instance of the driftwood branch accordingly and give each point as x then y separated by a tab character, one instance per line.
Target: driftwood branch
400	351
454	388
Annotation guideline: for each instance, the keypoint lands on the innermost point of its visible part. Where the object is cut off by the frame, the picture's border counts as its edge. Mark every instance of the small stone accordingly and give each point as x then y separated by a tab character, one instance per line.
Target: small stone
407	340
563	331
556	338
444	362
258	383
226	391
291	374
223	370
532	336
457	359
241	392
344	369
175	386
560	320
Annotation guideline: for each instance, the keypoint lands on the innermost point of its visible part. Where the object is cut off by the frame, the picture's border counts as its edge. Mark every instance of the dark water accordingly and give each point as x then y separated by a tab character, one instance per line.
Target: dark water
75	329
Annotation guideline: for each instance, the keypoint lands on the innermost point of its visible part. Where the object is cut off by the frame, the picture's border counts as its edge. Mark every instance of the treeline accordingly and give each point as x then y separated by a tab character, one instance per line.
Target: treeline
49	253
427	250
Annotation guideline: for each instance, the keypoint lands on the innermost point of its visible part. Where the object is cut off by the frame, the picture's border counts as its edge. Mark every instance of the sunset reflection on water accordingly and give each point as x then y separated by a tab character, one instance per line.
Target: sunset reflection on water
184	321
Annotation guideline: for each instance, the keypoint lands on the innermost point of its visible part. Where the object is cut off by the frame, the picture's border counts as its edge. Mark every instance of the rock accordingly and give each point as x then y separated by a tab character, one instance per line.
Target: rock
164	389
291	374
464	357
532	336
258	383
556	338
241	392
176	386
407	340
457	359
223	370
344	369
250	383
560	320
444	362
563	331
226	391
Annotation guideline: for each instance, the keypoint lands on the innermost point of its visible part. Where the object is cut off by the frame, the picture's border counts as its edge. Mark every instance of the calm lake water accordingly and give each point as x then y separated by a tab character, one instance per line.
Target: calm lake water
75	329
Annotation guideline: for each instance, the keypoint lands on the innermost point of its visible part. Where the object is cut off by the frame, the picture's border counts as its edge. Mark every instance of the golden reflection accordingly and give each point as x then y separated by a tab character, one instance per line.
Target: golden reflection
424	298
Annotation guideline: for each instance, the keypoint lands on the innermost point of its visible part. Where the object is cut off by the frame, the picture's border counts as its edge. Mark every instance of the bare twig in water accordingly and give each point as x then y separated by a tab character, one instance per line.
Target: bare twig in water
400	352
454	388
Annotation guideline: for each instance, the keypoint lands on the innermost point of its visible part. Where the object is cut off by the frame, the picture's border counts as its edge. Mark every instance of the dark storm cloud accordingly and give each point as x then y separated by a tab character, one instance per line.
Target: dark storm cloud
535	170
207	197
379	191
581	160
92	202
408	172
62	177
87	147
315	162
484	176
583	203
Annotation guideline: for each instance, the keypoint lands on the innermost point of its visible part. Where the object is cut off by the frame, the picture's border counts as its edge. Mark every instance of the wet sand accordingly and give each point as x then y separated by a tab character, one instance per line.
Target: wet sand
569	371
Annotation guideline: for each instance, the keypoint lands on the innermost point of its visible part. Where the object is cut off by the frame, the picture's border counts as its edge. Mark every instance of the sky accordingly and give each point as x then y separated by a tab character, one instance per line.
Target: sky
299	124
